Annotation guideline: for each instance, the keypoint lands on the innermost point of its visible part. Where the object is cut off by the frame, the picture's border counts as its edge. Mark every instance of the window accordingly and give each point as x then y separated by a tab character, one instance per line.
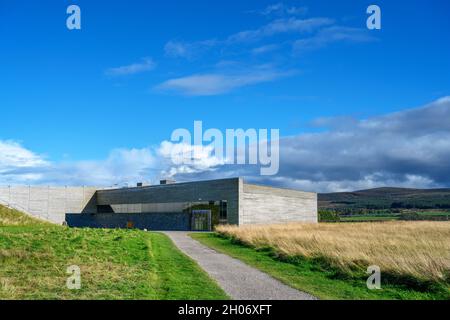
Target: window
223	211
104	209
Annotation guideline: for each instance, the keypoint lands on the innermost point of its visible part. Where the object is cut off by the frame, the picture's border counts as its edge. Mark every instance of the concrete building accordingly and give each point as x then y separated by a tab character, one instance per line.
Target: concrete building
49	203
178	206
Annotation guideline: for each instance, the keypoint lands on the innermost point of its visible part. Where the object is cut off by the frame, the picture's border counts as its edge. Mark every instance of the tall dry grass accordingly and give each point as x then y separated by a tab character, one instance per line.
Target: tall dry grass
418	249
11	217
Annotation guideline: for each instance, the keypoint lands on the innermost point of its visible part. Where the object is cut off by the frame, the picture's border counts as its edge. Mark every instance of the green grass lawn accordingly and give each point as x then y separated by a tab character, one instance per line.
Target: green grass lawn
434	213
115	264
314	277
392	217
368	218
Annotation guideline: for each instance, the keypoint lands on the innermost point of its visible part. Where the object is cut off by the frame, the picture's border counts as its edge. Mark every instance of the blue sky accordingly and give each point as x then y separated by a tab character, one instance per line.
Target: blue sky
137	70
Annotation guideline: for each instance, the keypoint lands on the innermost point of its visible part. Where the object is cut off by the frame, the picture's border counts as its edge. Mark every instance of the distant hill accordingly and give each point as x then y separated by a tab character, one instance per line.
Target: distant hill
387	198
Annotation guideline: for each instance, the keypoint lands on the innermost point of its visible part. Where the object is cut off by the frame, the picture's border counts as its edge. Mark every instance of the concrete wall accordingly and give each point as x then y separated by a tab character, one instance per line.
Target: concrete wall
264	205
216	190
247	203
49	203
151	221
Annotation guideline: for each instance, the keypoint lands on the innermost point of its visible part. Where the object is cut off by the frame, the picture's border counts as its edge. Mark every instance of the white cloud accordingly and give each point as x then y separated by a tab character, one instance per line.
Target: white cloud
121	166
17	164
331	35
220	83
13	154
251	45
281	9
21	166
147	64
265	49
179	49
367	182
279	26
185	158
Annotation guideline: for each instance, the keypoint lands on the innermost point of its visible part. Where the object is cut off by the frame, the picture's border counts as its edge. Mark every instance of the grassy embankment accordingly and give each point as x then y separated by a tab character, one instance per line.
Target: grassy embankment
330	260
115	264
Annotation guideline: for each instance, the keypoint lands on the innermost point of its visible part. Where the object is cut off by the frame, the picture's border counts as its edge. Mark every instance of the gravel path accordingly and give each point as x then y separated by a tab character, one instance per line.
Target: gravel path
238	280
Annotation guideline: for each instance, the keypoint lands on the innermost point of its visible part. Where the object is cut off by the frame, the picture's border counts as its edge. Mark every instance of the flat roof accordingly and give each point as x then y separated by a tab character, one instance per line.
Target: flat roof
203	181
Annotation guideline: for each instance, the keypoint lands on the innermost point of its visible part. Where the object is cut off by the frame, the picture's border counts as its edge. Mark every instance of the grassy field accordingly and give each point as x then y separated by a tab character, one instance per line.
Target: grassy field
115	264
416	215
386	198
367	218
330	260
435	213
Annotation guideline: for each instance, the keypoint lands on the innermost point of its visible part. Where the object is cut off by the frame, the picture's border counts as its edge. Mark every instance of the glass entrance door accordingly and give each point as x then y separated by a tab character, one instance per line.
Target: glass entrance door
201	220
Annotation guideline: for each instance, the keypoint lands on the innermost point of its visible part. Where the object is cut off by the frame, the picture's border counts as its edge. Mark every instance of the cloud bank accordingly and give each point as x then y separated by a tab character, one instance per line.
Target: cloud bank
410	148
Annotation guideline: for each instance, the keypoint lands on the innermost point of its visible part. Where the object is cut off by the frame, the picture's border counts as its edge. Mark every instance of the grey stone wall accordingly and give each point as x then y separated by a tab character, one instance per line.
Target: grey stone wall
49	203
265	205
150	221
